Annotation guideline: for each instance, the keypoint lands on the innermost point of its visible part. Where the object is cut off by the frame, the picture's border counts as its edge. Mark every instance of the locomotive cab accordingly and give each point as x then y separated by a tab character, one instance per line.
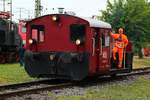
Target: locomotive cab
68	47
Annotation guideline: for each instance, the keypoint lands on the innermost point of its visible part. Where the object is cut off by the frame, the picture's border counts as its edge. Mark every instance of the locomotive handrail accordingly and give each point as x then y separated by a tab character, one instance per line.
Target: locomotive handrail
101	49
93	47
124	60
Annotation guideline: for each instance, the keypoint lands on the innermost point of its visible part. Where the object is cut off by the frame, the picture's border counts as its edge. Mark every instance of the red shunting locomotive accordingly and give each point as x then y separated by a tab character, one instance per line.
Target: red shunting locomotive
70	47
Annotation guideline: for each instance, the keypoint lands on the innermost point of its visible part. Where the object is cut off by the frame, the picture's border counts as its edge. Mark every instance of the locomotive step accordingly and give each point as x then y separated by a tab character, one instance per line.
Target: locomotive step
119	70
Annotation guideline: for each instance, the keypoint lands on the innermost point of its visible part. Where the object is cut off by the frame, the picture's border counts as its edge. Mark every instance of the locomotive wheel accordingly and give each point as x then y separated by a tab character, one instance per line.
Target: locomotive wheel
113	75
2	59
10	58
15	57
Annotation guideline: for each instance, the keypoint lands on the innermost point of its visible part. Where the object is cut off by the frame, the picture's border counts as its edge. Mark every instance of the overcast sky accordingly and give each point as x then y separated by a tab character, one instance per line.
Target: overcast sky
85	8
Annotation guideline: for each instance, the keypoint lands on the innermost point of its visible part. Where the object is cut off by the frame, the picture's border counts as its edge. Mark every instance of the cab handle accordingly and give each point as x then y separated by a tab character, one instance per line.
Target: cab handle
101	48
93	46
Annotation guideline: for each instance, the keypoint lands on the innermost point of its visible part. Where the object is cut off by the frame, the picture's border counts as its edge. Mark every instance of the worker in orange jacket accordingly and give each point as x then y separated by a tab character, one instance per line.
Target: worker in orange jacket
121	41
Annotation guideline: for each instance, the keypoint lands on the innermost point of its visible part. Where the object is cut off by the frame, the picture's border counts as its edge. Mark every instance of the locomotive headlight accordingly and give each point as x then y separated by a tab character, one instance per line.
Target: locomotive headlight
78	42
30	41
51	57
54	18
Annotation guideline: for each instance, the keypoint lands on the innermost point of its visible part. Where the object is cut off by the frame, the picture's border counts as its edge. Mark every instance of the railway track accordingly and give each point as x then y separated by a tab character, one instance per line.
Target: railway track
47	84
139	71
31	87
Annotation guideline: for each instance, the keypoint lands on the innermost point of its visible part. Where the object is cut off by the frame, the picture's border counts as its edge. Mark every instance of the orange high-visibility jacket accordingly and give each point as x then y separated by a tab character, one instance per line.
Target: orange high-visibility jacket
121	41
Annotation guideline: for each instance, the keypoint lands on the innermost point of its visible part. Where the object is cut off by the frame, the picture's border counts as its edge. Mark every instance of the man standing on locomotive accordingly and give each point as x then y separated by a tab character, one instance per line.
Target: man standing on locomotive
120	43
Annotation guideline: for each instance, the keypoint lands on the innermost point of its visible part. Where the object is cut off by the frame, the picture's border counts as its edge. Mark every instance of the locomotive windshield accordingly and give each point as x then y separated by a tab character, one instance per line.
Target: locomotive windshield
77	32
37	33
24	30
2	22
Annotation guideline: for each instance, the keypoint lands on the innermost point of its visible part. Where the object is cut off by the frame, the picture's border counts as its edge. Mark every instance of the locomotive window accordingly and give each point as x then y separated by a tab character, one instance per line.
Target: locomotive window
105	39
24	29
38	33
41	36
35	34
3	22
2	36
77	32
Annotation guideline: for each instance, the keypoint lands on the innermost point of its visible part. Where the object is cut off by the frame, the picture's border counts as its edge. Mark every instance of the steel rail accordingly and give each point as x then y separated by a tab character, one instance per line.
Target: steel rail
23	84
33	90
142	68
12	89
139	71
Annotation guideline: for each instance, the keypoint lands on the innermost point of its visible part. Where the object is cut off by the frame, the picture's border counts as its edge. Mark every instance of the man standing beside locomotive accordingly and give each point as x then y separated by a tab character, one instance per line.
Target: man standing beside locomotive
120	43
21	54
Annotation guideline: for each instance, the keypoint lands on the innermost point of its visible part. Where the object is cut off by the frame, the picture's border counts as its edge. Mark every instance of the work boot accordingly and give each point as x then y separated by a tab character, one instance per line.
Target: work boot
119	65
114	58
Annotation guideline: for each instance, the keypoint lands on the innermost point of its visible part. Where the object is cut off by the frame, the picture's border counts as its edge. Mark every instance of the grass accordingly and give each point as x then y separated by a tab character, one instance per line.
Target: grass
138	90
12	73
137	63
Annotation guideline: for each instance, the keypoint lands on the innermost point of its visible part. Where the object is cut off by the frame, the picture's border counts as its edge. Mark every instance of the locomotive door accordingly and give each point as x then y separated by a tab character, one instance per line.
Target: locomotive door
104	50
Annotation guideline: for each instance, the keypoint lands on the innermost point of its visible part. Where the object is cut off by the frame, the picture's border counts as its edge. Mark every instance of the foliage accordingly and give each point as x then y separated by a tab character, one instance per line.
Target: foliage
134	16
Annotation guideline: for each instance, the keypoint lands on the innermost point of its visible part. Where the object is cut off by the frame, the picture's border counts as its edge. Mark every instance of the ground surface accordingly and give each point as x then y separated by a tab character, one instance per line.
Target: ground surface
129	88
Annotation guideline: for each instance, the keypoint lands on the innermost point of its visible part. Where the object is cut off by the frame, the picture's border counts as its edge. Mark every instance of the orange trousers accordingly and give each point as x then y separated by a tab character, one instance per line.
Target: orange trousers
120	54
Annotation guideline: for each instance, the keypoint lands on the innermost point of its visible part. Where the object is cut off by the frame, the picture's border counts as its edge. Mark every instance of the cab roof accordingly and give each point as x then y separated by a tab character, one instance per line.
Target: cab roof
92	22
97	23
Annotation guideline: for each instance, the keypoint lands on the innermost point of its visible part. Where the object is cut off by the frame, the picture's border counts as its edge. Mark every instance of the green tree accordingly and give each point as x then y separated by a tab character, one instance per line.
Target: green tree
134	16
